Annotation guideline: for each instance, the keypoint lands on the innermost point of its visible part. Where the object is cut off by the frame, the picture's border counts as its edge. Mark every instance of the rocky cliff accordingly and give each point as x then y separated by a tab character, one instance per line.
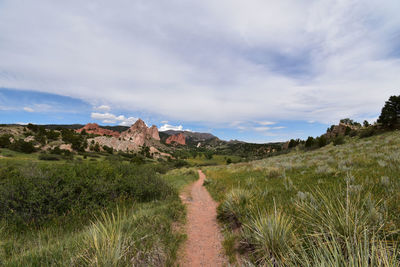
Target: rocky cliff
94	128
176	139
340	129
140	134
132	139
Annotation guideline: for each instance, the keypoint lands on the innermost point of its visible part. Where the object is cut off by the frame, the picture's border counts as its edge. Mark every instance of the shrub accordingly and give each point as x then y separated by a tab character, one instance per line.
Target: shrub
340	214
322	141
367	132
235	207
5	140
208	155
271	237
108	242
310	142
38	193
180	163
44	156
138	160
108	149
339	140
22	146
52	135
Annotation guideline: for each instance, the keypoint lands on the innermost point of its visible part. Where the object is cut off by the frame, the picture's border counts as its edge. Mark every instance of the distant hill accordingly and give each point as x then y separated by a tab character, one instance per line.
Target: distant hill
192	138
78	126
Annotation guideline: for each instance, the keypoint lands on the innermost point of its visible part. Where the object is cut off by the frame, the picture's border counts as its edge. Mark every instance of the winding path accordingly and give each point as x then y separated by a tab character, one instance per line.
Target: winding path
203	246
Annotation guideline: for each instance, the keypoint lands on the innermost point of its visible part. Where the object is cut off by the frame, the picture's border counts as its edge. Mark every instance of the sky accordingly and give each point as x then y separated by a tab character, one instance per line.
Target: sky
252	70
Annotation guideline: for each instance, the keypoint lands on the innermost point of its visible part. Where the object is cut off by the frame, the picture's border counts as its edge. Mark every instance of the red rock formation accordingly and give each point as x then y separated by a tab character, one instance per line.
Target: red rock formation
153	131
177	139
139	133
94	128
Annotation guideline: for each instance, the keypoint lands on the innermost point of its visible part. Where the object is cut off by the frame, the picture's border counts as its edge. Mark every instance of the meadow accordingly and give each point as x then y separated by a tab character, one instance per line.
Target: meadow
215	160
333	206
83	213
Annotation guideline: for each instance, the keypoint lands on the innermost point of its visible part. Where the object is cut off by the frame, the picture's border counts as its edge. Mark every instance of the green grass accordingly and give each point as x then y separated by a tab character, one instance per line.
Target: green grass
216	160
337	204
118	220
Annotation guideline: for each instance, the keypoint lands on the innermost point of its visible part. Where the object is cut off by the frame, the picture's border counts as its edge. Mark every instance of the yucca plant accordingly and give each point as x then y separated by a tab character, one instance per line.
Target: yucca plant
343	213
107	242
271	238
318	251
235	207
344	228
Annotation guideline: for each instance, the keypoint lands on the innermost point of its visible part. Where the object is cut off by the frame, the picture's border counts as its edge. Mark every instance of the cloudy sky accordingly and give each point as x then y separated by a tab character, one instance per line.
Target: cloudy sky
255	70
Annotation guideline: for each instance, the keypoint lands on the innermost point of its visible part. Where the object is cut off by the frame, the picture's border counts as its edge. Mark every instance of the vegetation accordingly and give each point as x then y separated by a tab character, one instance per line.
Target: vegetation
334	206
86	214
390	115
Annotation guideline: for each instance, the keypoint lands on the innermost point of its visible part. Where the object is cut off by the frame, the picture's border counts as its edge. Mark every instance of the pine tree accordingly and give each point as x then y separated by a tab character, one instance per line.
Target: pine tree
390	115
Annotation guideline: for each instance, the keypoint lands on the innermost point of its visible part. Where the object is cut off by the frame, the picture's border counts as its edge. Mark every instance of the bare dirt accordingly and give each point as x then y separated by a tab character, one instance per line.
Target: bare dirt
203	246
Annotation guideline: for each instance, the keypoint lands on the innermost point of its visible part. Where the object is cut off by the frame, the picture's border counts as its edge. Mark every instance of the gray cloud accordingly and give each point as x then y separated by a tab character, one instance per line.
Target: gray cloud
207	61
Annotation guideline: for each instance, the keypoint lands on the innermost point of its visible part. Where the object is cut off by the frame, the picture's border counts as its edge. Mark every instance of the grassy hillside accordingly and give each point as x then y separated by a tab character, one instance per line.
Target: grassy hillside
107	213
334	206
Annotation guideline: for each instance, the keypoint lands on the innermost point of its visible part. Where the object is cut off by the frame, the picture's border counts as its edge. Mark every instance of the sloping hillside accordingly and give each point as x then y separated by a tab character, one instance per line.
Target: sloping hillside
330	206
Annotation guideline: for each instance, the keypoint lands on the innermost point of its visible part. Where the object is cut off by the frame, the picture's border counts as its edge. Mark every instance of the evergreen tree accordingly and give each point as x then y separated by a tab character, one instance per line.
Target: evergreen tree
390	115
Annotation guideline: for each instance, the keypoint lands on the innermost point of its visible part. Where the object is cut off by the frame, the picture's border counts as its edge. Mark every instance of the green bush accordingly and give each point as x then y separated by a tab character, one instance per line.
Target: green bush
180	163
44	156
21	146
108	149
339	140
310	142
322	141
33	194
367	132
5	140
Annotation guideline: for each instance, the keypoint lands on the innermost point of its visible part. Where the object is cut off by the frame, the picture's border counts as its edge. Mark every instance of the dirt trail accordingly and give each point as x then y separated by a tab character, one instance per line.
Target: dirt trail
203	246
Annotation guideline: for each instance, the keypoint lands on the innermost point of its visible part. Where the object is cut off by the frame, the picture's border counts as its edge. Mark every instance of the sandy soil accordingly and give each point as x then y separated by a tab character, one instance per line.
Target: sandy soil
203	246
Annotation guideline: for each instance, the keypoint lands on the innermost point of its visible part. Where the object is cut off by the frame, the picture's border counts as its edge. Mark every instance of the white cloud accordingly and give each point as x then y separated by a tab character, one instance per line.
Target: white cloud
217	61
261	129
103	108
266	123
128	121
111	118
28	109
164	122
264	129
167	127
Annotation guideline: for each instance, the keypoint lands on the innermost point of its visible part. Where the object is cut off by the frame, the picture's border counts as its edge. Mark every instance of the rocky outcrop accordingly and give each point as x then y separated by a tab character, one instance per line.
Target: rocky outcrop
140	134
115	143
340	129
176	139
153	132
133	139
94	128
66	147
